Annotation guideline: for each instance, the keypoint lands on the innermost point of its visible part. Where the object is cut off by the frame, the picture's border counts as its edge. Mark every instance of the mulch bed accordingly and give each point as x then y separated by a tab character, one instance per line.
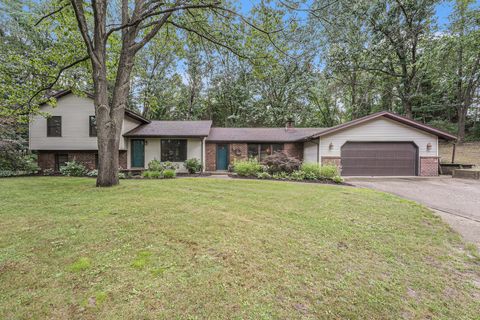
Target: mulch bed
234	176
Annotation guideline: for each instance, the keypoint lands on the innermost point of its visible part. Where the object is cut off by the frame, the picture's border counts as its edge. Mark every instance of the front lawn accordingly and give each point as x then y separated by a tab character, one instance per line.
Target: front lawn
212	248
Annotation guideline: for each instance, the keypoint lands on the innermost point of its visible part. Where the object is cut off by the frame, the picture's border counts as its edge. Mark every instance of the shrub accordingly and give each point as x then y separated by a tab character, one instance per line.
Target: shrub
121	175
297	175
169	166
28	164
247	168
280	175
7	173
193	165
314	171
311	171
337	179
169	174
48	172
155	165
264	175
280	162
73	169
328	172
152	174
93	173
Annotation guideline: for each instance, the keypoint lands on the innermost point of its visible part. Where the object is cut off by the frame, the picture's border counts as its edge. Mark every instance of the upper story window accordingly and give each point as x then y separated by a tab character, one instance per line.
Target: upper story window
93	126
54	126
263	150
174	150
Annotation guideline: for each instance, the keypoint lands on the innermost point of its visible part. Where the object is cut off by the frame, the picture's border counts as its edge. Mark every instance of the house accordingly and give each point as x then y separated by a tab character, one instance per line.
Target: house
379	144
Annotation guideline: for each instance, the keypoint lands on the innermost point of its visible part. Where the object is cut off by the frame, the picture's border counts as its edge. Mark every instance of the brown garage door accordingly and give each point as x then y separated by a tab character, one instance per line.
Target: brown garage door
379	159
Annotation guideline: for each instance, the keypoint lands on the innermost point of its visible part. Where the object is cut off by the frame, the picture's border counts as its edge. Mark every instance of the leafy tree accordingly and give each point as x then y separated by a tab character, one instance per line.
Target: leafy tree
457	57
113	34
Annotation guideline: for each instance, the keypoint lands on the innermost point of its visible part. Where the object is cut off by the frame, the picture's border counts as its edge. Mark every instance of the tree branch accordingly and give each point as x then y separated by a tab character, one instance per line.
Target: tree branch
151	13
82	25
210	39
57	77
50	14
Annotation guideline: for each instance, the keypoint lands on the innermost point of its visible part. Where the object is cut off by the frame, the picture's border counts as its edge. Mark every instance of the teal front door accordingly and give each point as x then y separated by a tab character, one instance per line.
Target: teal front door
222	156
138	153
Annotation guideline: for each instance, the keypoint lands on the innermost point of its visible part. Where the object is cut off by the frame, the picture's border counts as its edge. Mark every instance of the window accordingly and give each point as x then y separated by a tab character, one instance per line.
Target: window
60	160
93	126
54	126
174	150
252	150
263	150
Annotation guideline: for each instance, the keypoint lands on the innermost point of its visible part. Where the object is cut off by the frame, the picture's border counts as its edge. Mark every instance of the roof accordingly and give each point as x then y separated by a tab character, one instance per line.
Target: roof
128	112
388	115
172	129
261	134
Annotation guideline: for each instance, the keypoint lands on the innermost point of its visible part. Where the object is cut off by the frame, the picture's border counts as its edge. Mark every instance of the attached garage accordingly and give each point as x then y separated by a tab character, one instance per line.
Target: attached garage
379	159
381	144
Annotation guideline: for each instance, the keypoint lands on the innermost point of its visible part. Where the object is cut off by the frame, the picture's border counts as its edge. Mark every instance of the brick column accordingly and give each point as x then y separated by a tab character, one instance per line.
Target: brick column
210	156
428	166
122	159
332	161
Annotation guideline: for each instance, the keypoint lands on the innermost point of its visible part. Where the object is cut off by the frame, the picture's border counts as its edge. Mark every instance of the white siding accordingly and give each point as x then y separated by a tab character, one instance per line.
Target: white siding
380	129
128	124
75	112
310	152
152	151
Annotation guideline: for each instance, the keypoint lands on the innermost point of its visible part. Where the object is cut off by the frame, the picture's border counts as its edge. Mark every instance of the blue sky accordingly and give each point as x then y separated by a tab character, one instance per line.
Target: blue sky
442	10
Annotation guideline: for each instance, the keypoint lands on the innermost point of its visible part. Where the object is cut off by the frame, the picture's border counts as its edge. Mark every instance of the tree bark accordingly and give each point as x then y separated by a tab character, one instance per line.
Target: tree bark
462	115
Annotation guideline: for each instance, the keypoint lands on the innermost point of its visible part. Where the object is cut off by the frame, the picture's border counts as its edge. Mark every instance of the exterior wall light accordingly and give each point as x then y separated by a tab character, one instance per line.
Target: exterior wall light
429	146
330	146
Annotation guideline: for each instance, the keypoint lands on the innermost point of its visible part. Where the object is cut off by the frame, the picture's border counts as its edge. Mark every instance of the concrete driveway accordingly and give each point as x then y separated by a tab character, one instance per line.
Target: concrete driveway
457	201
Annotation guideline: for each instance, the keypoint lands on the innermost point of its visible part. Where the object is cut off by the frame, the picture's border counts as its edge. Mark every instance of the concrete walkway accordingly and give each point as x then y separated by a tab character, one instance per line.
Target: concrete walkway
457	201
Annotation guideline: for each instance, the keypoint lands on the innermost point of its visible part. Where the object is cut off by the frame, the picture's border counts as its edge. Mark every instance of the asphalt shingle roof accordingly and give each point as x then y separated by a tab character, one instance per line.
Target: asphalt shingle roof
172	129
261	134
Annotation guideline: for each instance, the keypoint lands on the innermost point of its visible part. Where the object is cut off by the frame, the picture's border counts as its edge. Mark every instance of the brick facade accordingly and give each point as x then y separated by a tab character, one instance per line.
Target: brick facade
122	159
336	161
46	159
294	150
88	159
239	151
428	166
210	156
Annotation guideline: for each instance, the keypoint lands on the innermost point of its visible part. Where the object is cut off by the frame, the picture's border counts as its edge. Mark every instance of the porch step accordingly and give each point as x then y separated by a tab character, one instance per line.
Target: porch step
217	173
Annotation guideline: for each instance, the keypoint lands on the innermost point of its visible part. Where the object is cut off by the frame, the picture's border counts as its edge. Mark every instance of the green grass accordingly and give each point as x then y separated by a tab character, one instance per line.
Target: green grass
230	249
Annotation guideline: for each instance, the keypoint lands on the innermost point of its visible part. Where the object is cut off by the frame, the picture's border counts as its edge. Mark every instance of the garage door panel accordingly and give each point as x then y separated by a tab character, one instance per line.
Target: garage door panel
379	159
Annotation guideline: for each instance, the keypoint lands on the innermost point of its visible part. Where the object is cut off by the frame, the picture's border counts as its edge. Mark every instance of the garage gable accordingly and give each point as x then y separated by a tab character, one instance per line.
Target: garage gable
388	115
379	129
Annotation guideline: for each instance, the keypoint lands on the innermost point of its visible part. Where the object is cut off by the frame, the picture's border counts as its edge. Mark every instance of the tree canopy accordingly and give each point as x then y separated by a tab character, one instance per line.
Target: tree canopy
318	63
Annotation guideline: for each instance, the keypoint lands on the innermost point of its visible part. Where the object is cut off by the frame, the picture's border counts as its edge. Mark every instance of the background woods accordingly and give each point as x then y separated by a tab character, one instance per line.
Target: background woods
318	63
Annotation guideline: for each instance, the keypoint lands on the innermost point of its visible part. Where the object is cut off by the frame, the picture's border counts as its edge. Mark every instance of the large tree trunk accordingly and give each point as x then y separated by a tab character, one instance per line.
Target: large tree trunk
462	115
407	107
108	133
